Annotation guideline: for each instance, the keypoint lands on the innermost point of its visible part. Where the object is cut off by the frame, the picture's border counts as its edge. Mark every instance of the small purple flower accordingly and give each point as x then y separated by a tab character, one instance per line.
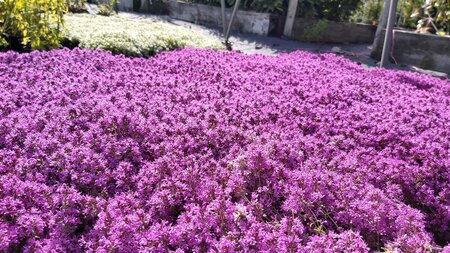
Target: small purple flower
205	151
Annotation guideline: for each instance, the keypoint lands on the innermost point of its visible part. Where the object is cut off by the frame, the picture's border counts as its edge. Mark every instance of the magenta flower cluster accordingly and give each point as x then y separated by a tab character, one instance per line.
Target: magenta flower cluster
204	151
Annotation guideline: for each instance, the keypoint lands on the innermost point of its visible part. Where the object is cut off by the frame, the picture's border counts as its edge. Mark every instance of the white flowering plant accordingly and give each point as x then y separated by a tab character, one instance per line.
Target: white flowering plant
132	37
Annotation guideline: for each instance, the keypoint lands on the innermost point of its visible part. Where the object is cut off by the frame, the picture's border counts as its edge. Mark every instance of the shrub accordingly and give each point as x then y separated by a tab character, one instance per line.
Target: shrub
271	6
76	6
314	32
368	12
411	14
34	23
107	7
435	13
211	151
105	10
337	10
132	37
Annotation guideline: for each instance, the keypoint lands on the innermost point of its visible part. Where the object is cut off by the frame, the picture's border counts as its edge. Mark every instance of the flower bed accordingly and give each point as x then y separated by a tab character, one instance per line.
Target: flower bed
205	151
131	37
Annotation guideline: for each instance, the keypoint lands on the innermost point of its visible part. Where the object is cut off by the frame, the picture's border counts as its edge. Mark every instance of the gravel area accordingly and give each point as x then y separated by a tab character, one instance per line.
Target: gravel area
257	44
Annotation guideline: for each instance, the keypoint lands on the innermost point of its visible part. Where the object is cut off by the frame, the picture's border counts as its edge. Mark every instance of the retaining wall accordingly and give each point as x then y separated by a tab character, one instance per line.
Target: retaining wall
256	22
311	30
246	21
426	51
125	5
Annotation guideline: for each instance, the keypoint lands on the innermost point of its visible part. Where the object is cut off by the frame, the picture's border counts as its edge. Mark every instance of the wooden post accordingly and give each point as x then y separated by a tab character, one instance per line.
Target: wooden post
292	11
389	30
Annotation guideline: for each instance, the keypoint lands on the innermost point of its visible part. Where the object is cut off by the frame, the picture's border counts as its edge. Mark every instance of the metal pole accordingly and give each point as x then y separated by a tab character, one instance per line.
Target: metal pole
388	37
230	24
224	18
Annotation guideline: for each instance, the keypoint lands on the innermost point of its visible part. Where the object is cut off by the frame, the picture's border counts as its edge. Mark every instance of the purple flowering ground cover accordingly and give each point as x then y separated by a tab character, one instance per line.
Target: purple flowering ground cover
204	151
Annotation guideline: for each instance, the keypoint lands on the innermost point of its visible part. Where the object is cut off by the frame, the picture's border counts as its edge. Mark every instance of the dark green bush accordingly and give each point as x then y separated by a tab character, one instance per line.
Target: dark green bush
271	6
368	12
336	10
314	32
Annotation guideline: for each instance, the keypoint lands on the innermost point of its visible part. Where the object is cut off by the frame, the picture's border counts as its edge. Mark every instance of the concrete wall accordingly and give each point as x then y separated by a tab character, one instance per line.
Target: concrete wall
254	22
246	21
422	50
332	32
125	5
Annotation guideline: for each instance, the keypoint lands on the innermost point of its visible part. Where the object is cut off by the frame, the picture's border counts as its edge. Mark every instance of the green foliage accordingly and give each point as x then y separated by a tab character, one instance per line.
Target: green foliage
408	12
336	10
267	6
271	6
37	24
105	10
437	13
132	37
314	32
107	7
425	15
368	12
76	6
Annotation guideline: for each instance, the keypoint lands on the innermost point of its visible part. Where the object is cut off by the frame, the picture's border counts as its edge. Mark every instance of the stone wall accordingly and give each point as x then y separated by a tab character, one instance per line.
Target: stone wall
125	5
422	50
246	21
255	22
322	31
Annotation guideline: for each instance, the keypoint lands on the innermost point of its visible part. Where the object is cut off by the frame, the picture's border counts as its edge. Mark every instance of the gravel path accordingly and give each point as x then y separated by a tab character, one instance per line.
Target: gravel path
257	44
